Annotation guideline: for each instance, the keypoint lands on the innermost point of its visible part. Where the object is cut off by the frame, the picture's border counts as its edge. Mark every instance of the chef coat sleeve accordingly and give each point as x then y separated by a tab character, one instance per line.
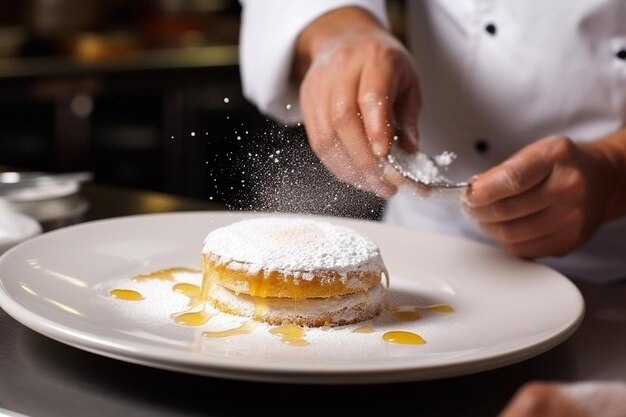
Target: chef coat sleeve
267	39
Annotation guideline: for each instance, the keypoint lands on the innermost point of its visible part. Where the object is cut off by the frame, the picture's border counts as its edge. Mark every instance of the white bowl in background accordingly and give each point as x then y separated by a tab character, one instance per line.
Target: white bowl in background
15	227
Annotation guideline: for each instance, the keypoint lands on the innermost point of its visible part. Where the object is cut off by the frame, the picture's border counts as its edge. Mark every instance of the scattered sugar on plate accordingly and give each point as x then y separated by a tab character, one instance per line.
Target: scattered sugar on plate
155	312
158	304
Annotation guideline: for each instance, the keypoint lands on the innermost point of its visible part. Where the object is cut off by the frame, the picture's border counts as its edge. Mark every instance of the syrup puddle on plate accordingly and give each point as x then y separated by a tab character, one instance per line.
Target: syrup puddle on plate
291	334
126	294
403	337
192	318
245	328
166	274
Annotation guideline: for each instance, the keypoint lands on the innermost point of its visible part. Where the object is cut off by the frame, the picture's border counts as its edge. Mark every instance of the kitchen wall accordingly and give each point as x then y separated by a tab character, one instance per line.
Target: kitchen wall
147	94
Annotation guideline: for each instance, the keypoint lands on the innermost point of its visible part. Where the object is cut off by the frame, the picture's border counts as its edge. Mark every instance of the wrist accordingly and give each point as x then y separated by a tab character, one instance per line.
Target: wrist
328	28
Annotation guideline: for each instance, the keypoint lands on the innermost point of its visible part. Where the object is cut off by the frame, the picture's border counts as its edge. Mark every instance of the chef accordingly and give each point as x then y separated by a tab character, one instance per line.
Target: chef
530	96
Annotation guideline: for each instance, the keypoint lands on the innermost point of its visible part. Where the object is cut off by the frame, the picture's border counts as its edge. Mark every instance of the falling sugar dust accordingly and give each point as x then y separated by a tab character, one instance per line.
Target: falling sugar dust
270	167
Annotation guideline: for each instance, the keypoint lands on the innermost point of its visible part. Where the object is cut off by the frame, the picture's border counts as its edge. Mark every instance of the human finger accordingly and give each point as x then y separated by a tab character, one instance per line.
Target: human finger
532	201
519	173
385	113
528	228
406	110
346	121
315	98
375	95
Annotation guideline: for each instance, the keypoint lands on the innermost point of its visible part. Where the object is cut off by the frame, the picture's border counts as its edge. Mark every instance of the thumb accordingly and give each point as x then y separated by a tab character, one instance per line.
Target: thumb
406	111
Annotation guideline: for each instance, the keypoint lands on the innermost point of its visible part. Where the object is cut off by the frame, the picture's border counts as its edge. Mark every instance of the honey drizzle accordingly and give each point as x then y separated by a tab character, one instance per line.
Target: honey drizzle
258	287
403	337
439	308
166	274
406	315
411	313
196	315
243	329
126	295
190	290
290	334
259	307
192	318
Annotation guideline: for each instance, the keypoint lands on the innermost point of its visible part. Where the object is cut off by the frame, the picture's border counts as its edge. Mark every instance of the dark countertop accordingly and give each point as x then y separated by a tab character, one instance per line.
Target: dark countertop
41	377
113	201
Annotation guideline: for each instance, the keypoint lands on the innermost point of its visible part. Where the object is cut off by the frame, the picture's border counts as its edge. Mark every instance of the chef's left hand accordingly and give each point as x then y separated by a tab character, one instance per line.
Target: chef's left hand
579	399
545	200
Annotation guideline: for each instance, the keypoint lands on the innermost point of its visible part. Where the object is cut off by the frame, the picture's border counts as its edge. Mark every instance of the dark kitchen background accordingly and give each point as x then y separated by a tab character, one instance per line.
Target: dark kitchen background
146	94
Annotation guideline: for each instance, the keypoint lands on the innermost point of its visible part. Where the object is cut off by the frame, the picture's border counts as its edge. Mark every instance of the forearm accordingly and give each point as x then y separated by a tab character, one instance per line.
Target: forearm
609	155
327	28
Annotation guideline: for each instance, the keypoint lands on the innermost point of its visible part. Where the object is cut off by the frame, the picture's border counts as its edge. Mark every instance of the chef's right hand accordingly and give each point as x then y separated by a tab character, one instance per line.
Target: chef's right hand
358	89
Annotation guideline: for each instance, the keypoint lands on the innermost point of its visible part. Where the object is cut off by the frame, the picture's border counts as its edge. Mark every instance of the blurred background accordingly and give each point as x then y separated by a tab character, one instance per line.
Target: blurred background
146	94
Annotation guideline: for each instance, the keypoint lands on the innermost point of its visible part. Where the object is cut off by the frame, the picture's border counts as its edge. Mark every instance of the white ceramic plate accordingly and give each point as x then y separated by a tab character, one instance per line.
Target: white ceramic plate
506	309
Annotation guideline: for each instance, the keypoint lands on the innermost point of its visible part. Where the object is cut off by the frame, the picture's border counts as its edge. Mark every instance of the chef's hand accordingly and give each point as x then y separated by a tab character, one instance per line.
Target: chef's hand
551	196
358	86
582	399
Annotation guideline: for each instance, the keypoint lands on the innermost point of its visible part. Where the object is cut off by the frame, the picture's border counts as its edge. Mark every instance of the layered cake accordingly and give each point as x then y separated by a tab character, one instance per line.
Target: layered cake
293	270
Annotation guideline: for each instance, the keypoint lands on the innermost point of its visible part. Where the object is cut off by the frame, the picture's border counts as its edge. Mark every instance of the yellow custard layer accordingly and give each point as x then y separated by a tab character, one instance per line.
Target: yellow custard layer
276	284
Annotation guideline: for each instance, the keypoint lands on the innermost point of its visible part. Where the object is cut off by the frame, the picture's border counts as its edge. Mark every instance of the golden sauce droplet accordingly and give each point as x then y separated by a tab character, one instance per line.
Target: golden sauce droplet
411	313
403	337
243	329
190	290
406	315
192	318
290	334
364	329
440	308
126	295
166	274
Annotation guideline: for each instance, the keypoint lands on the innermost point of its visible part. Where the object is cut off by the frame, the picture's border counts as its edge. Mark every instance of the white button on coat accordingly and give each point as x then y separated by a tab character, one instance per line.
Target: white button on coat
507	72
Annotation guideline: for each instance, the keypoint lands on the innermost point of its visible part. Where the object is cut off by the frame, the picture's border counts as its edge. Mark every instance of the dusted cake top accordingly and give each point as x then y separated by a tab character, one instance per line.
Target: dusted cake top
292	245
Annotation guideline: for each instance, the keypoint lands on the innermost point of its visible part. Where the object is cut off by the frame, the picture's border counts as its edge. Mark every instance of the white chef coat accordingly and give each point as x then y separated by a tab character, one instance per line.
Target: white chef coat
495	75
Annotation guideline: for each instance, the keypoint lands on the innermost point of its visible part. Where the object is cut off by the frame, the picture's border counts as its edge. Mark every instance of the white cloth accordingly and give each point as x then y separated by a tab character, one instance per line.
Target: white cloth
493	74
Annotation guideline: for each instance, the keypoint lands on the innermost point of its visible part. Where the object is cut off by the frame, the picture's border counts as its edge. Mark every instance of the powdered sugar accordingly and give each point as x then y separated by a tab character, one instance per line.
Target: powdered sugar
159	302
419	166
295	245
445	158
